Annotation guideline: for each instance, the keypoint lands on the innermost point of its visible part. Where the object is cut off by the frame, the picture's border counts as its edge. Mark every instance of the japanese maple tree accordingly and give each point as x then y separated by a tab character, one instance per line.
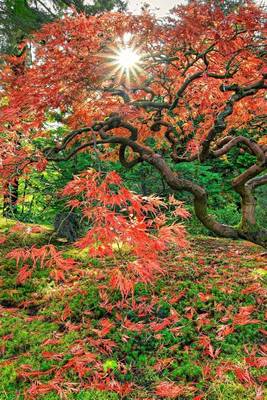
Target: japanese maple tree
126	228
191	83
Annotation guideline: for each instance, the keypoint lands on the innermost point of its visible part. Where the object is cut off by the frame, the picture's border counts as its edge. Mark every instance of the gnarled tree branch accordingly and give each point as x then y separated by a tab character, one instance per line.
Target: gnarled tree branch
220	121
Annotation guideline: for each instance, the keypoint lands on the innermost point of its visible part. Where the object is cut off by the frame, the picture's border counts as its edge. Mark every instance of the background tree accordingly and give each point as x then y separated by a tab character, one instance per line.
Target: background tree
18	19
227	5
182	91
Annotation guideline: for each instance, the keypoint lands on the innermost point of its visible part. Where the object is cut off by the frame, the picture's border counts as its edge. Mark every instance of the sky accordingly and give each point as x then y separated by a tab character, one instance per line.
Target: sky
161	7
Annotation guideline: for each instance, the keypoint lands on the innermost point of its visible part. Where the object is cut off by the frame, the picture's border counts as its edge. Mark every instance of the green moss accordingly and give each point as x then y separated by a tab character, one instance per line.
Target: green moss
8	372
188	371
96	395
25	336
52	396
6	223
77	254
230	391
140	354
83	395
110	365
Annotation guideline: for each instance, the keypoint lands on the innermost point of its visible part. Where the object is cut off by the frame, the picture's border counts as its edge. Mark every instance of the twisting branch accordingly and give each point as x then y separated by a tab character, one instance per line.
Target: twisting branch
239	182
145	89
150	104
72	135
199	56
123	147
220	121
123	158
118	92
231	142
198	192
102	129
50	157
258	181
173	140
184	86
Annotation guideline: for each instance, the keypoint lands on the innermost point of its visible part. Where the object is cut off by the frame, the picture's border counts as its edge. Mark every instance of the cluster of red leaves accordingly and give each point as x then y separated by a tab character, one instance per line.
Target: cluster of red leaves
86	364
122	222
124	226
242	372
76	59
25	229
47	256
100	339
2	239
173	390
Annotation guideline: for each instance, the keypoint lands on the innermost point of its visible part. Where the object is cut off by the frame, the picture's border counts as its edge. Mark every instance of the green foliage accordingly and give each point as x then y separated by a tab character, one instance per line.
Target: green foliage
84	395
18	18
110	365
188	371
230	391
96	395
24	338
8	378
39	192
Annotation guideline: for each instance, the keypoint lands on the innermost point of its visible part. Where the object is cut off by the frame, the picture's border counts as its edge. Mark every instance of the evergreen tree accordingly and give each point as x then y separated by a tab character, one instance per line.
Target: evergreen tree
18	18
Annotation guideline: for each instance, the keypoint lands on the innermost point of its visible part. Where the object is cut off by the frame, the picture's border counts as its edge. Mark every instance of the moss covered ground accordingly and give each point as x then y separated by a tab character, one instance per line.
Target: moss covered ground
198	333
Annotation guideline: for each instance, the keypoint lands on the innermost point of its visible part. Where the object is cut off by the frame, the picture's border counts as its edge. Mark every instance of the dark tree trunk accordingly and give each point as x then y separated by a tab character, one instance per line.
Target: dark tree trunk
11	198
244	184
248	228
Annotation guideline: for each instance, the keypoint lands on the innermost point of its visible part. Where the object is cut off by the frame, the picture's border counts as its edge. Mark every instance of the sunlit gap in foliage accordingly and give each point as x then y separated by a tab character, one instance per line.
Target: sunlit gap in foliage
125	60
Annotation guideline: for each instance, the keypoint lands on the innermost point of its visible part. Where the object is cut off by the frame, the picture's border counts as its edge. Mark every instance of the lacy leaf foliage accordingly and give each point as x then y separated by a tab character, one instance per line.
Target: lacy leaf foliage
201	77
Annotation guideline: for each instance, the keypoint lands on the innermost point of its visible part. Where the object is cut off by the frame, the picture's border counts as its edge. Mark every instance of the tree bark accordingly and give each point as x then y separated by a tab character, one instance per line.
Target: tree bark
11	198
248	228
244	184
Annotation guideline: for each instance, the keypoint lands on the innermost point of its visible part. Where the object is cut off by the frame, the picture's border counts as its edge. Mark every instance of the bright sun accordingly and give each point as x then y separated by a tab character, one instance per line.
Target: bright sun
127	58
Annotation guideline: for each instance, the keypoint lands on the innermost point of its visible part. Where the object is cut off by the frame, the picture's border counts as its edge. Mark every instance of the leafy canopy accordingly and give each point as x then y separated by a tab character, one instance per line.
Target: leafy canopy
141	90
186	69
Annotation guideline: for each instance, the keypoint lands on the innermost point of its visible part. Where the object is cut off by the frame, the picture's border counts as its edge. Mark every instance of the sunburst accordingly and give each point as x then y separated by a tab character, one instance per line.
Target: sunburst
125	60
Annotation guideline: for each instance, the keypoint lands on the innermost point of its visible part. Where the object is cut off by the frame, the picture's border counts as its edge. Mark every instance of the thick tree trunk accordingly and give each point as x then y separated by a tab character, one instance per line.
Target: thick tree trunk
11	198
248	207
255	235
244	184
248	228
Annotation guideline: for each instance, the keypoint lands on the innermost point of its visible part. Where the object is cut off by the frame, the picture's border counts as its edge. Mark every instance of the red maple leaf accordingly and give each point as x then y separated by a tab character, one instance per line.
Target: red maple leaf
169	390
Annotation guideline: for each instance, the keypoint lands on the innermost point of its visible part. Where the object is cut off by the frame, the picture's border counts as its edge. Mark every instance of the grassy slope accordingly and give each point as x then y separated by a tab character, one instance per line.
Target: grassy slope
198	300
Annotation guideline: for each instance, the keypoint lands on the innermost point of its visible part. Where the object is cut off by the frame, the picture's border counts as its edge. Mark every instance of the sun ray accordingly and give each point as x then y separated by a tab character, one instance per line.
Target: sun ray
127	58
124	61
